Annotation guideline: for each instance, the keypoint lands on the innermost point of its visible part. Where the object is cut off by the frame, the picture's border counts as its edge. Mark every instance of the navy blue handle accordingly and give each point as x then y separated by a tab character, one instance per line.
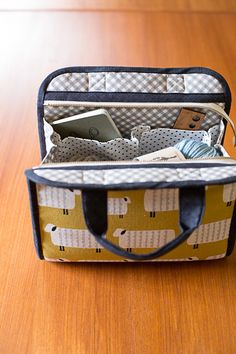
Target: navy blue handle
191	210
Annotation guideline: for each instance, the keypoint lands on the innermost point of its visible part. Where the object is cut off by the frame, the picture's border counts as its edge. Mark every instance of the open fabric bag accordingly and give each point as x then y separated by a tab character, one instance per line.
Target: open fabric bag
92	201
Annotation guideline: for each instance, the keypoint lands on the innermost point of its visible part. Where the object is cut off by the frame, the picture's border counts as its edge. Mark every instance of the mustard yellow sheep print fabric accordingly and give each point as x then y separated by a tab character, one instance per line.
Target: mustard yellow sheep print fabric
139	221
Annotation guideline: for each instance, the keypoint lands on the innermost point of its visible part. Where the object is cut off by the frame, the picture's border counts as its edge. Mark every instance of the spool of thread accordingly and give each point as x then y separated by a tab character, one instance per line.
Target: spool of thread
192	149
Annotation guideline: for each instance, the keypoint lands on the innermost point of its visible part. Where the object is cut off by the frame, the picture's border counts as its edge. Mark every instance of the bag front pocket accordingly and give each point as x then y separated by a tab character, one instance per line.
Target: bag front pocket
114	212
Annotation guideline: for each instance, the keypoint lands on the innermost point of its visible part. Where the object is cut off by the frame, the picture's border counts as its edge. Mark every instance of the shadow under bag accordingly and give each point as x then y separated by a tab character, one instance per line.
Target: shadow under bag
99	201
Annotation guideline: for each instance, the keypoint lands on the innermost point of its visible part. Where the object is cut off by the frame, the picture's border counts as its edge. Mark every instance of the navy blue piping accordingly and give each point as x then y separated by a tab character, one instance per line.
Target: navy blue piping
133	97
45	83
35	217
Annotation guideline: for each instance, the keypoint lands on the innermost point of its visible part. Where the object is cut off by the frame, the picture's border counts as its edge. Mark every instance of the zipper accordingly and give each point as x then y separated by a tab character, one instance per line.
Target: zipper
210	106
56	103
217	159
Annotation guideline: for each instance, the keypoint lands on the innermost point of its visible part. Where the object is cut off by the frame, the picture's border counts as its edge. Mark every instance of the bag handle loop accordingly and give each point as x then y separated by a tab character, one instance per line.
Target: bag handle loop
191	210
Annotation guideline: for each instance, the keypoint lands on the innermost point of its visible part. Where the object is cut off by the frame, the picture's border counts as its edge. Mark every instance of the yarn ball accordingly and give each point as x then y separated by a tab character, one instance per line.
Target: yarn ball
192	149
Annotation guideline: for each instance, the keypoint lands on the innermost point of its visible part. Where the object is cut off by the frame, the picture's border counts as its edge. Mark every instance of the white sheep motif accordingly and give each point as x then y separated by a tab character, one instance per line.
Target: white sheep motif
118	206
64	237
64	199
143	238
60	198
160	200
211	232
229	193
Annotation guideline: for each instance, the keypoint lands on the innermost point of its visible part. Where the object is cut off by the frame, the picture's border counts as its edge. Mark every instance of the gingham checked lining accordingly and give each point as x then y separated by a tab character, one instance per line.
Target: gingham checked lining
130	175
127	118
175	83
136	82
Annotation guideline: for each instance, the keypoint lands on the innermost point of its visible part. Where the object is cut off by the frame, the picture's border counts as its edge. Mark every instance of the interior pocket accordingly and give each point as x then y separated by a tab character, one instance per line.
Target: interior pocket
146	115
143	140
77	149
151	140
127	115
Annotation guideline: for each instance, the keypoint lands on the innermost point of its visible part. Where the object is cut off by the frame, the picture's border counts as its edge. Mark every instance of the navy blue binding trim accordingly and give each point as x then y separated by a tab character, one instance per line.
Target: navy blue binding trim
45	83
35	217
232	233
191	211
134	97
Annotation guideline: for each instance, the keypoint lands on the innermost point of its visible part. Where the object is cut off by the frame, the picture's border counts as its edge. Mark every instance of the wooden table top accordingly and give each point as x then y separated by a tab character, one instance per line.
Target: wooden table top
104	308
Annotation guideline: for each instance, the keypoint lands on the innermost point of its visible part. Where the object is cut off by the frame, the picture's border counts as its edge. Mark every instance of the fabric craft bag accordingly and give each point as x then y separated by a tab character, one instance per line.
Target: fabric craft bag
91	201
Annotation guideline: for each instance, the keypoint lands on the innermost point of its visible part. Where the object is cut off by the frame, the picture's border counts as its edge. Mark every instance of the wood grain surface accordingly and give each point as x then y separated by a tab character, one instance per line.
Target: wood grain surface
104	308
121	5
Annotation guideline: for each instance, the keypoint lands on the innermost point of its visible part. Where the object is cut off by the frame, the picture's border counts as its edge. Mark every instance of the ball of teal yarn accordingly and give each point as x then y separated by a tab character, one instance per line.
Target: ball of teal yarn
192	149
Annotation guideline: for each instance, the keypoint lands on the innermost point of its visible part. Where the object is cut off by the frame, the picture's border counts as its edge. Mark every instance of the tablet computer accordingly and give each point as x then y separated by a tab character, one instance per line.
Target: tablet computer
96	125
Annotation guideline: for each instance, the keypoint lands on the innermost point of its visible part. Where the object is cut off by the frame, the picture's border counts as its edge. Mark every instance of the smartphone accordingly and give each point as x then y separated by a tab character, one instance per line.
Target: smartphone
96	124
